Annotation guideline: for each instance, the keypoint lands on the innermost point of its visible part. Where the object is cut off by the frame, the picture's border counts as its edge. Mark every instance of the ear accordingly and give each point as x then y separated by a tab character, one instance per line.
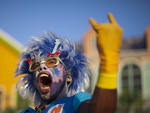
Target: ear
68	80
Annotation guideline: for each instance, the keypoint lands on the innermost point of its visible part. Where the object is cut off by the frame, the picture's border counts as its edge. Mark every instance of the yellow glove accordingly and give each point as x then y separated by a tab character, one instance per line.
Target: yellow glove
108	41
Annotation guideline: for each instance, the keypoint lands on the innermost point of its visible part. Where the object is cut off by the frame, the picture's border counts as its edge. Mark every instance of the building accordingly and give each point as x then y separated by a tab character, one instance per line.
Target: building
10	51
134	73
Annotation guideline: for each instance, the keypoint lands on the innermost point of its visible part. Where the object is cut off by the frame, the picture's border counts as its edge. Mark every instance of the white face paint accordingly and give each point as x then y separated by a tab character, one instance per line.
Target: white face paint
50	80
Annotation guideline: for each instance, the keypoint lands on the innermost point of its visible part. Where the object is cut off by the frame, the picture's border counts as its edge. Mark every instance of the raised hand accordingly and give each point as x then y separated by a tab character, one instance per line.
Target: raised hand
108	40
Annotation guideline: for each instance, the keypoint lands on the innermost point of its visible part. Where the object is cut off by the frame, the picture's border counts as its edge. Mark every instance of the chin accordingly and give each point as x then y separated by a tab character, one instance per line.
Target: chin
48	98
45	96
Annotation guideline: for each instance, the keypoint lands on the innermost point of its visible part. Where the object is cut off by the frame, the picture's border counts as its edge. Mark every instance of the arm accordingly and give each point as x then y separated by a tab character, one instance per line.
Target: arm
108	43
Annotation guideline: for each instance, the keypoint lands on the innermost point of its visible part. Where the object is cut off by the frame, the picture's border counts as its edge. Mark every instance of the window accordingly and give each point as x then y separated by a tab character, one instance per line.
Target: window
131	86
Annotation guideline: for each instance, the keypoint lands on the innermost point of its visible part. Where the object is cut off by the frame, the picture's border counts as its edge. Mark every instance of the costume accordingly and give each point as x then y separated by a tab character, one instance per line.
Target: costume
64	105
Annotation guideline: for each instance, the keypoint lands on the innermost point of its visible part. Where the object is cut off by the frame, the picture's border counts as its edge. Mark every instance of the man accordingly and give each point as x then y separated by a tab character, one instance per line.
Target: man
56	74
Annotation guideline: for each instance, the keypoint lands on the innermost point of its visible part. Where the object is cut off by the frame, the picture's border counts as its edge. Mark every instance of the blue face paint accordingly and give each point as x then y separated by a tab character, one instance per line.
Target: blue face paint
56	71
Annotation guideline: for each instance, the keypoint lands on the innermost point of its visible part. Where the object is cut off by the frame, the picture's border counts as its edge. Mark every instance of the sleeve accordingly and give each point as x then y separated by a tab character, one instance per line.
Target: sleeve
79	98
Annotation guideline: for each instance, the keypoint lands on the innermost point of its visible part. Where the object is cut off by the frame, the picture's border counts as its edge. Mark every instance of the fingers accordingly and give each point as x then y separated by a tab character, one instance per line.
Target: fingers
93	22
112	19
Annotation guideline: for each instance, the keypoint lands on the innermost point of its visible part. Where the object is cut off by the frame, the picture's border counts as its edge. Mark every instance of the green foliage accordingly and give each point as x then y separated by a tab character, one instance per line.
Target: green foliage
10	110
21	104
128	99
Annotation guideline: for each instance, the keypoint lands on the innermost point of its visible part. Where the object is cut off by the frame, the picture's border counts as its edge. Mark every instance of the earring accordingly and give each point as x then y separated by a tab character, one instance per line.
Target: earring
68	80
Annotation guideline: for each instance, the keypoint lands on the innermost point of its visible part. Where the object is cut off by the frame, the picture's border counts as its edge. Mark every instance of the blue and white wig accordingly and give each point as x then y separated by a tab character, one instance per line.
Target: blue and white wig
73	59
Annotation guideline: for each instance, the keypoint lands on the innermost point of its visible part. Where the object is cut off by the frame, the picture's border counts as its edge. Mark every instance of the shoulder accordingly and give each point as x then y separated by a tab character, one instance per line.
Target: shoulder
80	98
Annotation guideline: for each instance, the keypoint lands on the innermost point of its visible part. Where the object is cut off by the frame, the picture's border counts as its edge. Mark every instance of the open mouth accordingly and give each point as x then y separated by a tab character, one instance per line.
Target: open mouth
44	81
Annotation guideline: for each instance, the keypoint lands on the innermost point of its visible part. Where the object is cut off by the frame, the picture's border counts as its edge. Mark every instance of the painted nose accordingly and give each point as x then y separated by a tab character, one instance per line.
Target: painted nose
43	67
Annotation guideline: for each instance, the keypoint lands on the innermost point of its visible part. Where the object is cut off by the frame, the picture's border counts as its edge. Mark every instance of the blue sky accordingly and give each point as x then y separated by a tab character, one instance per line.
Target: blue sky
69	18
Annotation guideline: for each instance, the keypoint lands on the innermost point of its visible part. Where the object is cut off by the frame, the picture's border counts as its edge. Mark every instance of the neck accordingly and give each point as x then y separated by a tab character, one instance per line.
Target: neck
62	93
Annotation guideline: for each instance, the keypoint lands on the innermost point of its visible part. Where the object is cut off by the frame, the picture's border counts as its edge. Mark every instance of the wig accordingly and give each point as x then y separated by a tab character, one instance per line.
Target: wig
74	61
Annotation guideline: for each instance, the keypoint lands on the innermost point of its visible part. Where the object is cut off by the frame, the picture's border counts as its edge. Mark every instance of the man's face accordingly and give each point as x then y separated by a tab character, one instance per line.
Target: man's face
50	77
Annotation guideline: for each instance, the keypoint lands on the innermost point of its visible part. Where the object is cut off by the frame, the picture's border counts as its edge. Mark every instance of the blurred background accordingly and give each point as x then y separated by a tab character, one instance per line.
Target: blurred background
22	19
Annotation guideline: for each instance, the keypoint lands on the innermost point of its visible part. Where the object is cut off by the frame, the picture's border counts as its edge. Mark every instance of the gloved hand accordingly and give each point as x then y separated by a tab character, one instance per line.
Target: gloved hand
108	41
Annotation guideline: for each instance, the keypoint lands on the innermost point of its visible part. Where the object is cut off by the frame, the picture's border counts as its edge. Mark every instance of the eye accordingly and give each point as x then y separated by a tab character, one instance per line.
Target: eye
52	62
34	66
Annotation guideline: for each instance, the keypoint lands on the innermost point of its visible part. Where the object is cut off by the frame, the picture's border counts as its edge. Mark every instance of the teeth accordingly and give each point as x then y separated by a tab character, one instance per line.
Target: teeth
43	75
44	87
